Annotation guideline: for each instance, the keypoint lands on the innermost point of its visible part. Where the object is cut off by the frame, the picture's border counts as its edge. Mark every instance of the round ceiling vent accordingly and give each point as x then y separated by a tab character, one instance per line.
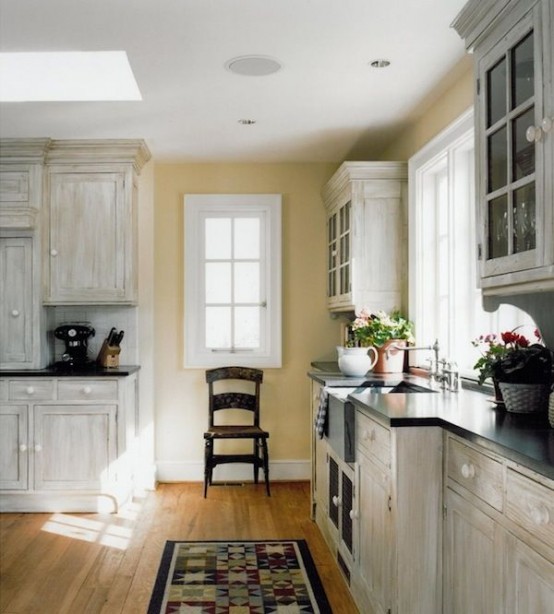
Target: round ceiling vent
253	65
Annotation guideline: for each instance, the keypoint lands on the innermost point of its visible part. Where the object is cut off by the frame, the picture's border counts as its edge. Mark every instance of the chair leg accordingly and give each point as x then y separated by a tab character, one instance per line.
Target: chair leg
256	460
208	454
266	465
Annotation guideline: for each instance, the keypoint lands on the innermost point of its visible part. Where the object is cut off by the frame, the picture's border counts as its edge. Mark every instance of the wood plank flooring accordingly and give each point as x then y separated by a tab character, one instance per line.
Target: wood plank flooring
107	563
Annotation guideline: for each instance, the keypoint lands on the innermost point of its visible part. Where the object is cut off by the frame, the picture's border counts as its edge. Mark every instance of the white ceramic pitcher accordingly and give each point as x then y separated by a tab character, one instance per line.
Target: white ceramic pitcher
356	362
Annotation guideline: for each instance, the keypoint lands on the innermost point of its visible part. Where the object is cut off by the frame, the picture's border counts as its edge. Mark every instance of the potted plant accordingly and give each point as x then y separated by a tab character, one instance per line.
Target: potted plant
388	332
522	370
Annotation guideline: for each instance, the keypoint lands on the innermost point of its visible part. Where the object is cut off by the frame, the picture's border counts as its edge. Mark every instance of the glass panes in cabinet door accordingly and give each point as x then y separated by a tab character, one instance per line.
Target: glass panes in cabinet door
510	110
332	256
344	263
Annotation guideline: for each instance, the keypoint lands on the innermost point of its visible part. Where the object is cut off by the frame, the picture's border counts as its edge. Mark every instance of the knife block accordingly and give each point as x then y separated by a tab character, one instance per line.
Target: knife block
108	355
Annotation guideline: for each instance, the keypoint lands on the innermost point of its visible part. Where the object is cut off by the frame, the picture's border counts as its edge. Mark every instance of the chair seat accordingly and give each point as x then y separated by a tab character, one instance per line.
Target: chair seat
235	432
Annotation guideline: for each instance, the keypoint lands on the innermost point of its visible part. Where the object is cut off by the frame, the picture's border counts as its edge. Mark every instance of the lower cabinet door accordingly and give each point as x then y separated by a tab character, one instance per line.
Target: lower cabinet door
74	446
529	580
473	559
14	458
374	536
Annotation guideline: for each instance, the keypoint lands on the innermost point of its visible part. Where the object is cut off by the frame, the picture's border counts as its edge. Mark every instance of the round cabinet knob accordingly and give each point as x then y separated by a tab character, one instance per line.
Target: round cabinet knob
15	313
30	390
54	252
23	448
546	124
87	390
539	515
336	501
38	447
468	471
353	515
533	134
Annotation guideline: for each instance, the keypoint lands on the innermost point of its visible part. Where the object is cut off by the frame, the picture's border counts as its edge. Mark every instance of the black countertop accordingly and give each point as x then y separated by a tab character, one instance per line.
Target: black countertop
92	371
527	439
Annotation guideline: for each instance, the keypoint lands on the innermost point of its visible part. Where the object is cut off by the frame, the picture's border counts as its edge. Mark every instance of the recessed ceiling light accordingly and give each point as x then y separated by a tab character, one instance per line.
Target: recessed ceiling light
66	76
253	65
379	63
247	122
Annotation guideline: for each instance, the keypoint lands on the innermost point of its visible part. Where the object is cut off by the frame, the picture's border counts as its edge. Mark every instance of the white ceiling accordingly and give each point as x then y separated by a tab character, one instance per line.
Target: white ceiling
326	104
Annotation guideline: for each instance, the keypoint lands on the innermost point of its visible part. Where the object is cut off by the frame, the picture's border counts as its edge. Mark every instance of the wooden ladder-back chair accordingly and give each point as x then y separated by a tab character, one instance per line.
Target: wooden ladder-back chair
235	400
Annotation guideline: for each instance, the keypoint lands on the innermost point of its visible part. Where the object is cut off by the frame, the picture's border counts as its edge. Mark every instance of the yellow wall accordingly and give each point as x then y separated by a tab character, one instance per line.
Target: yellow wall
452	96
308	331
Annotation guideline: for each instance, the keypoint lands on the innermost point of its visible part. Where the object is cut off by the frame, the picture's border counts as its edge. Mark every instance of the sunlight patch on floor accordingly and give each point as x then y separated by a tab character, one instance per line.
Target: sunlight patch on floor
104	531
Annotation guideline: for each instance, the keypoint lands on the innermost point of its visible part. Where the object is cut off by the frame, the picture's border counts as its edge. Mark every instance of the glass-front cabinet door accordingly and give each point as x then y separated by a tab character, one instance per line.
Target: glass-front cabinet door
339	255
510	191
514	143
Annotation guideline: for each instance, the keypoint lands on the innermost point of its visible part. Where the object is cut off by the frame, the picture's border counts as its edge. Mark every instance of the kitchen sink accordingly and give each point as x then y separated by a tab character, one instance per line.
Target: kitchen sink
384	387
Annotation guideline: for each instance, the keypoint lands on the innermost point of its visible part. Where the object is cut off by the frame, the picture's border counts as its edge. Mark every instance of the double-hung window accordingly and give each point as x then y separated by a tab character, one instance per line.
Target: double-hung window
233	280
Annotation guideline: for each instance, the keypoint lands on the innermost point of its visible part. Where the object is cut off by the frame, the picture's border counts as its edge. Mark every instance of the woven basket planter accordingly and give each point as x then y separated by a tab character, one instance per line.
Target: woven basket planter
525	398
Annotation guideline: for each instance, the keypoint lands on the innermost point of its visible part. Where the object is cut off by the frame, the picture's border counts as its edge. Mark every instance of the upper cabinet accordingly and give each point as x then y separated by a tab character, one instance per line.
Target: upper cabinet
21	167
514	101
366	231
91	230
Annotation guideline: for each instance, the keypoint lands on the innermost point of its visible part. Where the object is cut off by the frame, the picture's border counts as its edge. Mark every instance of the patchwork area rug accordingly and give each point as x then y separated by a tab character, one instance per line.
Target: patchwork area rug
239	577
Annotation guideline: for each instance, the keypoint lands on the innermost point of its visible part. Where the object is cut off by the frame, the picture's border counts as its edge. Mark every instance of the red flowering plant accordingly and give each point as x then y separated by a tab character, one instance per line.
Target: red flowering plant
511	357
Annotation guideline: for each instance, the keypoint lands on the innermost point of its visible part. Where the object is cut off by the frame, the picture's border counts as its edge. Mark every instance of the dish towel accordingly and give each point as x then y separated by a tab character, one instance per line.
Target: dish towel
321	418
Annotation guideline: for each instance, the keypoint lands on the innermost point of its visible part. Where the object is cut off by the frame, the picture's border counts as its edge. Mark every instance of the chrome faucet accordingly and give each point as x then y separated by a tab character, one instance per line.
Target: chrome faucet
448	377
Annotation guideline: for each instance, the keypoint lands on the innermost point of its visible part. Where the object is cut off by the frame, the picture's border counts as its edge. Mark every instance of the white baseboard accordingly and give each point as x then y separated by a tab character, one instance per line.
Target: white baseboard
193	471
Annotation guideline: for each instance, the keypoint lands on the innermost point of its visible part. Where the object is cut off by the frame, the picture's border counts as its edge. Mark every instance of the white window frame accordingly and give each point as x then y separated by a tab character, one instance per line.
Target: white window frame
447	160
268	208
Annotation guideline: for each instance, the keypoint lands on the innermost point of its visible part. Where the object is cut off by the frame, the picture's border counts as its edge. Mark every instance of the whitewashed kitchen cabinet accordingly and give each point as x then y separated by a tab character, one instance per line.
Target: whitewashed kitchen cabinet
366	236
91	234
398	496
473	561
371	582
67	443
14	443
499	534
514	102
22	345
21	173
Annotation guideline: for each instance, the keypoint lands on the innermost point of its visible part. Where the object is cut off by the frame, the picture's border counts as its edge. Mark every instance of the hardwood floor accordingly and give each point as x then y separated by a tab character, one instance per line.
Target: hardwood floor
107	563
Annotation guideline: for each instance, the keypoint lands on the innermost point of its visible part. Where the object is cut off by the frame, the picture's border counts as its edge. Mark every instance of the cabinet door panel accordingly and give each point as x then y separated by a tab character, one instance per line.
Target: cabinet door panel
16	302
13	447
374	554
88	238
74	446
473	559
530	580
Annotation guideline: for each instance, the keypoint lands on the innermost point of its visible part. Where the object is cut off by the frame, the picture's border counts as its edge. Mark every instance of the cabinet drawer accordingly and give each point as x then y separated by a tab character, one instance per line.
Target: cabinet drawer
477	472
29	390
87	390
530	505
372	438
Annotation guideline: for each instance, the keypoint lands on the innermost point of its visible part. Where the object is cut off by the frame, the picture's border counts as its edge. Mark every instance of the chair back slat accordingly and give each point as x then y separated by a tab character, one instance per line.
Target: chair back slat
234	400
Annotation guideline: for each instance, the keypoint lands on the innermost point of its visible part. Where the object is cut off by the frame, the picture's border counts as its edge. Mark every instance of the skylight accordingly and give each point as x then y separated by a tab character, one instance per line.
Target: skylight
67	76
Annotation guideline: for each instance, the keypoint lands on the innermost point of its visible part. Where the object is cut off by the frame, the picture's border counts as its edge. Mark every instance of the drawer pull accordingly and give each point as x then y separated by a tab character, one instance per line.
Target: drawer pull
468	471
336	501
87	390
38	447
23	448
353	515
15	313
54	252
539	514
30	390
